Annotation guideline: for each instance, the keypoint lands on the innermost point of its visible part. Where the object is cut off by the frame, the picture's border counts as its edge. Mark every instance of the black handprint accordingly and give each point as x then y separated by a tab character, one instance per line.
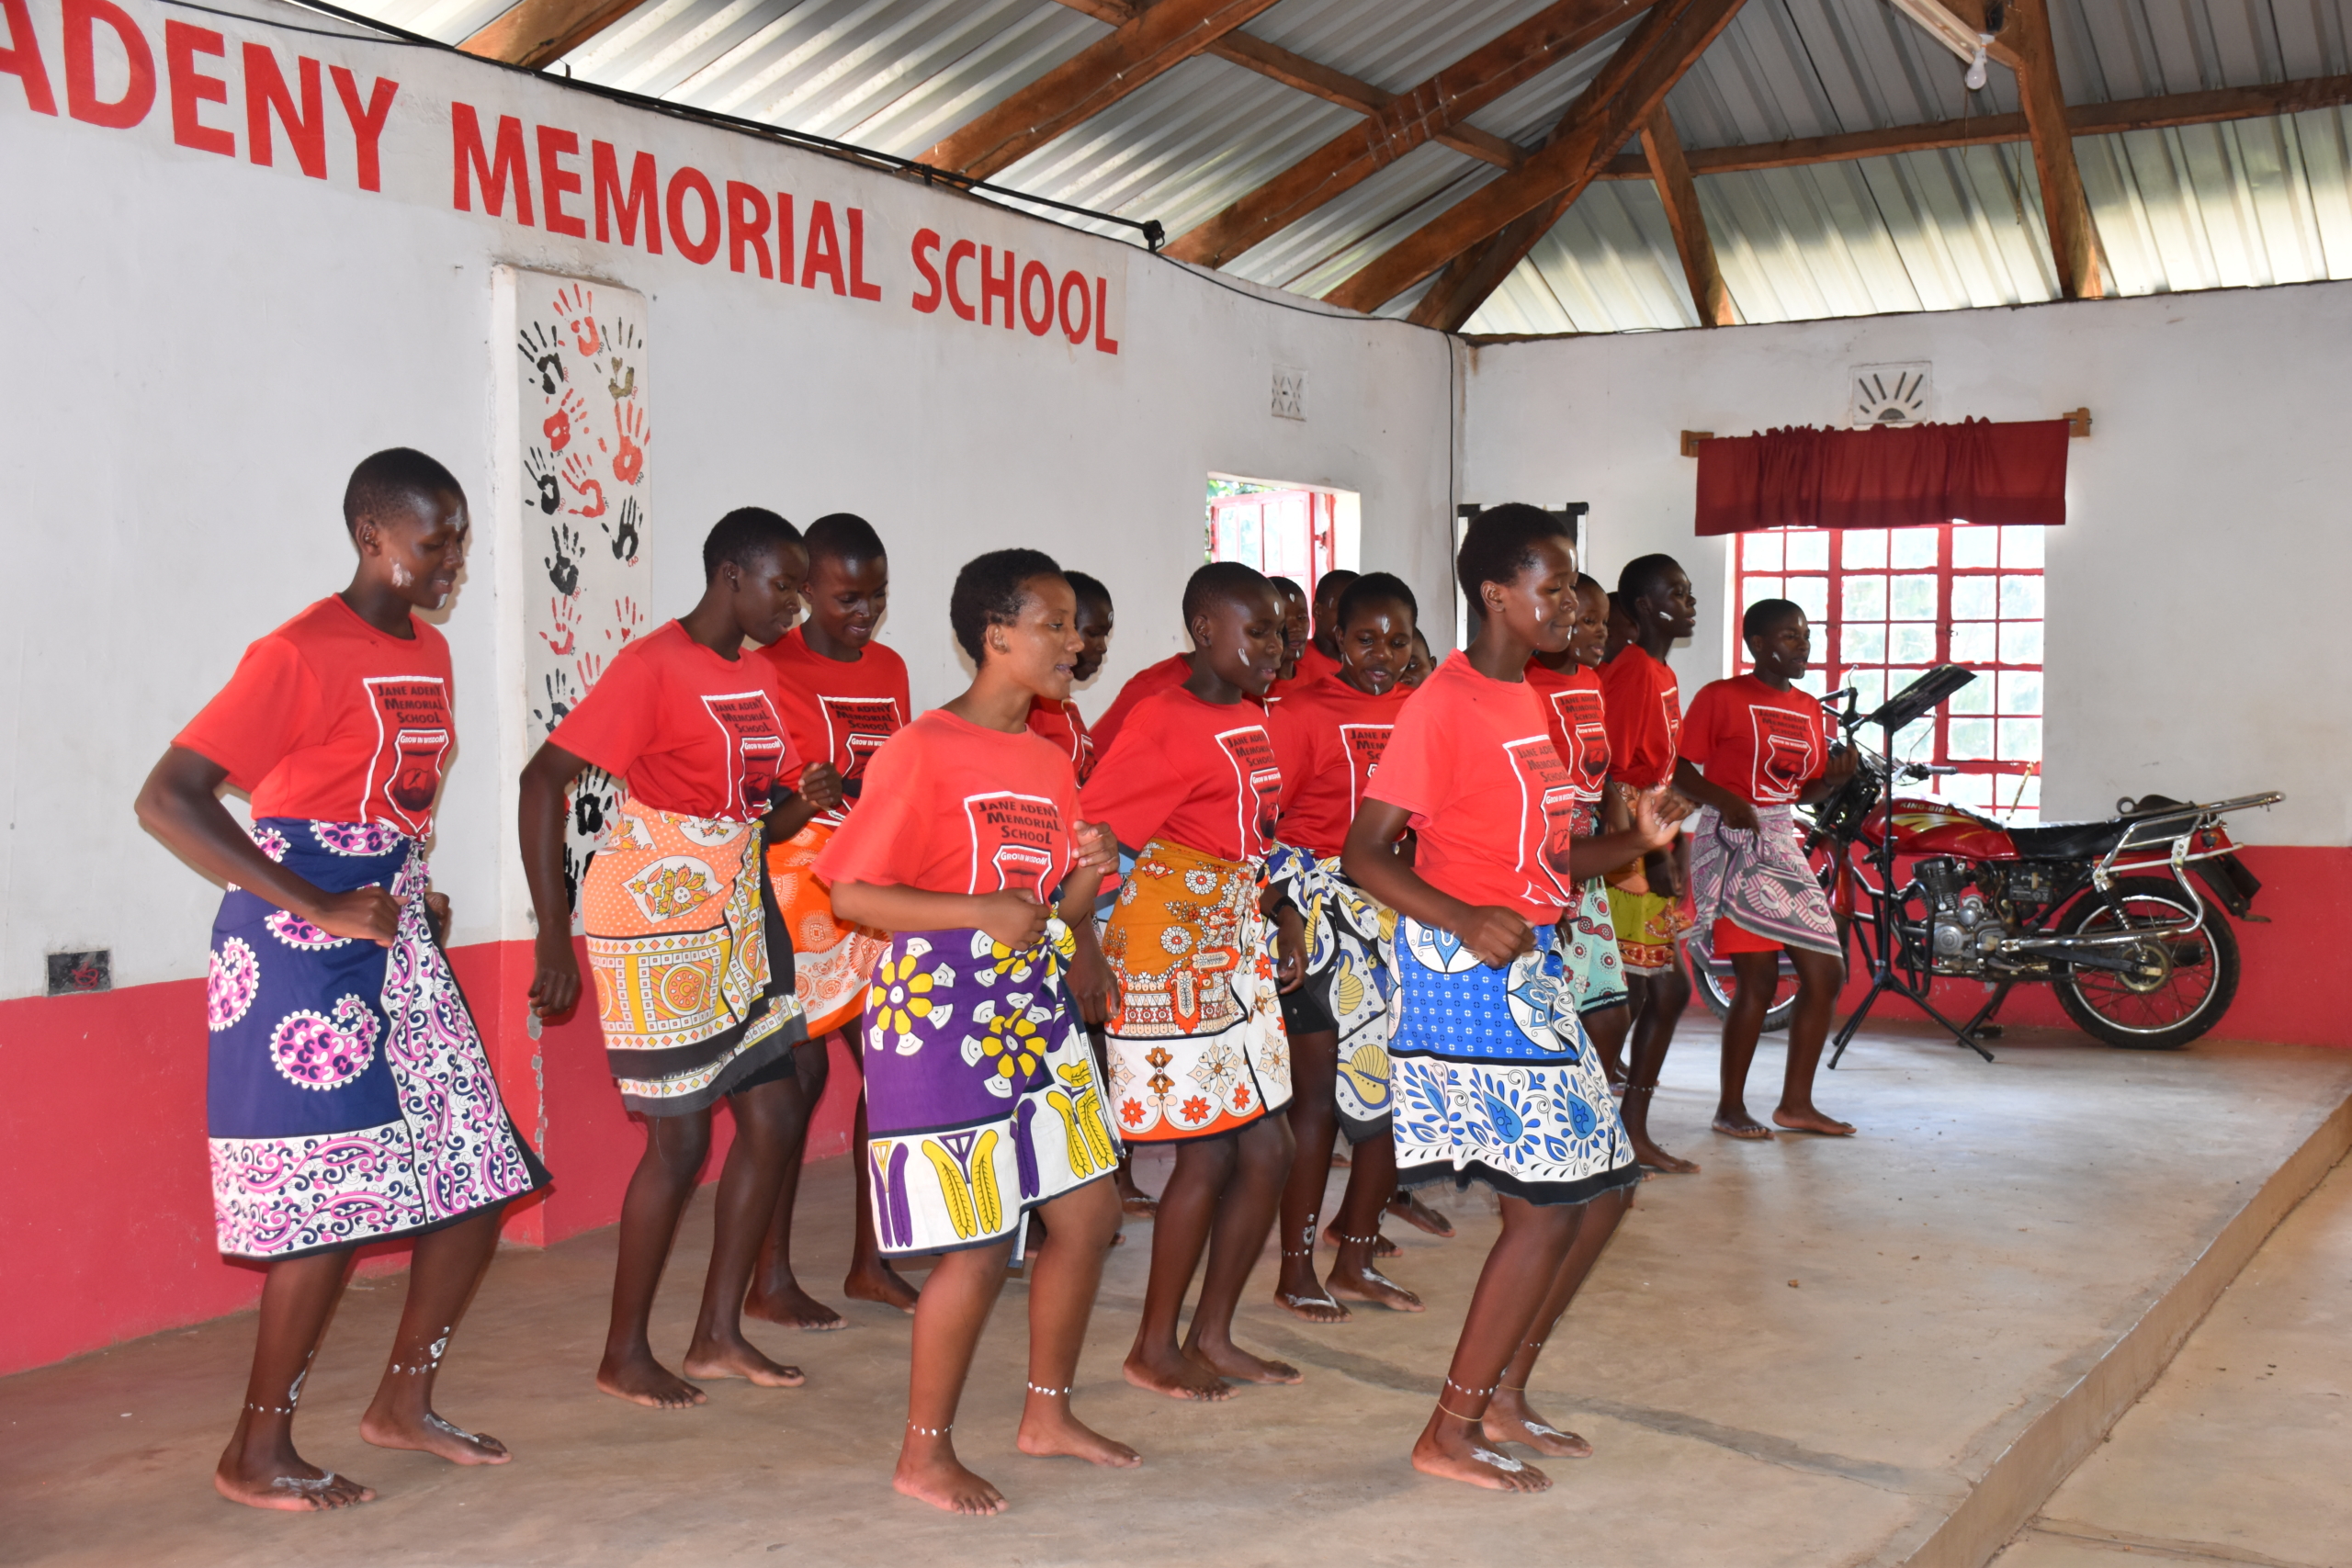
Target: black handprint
619	387
541	469
592	798
563	567
543	351
561	699
624	534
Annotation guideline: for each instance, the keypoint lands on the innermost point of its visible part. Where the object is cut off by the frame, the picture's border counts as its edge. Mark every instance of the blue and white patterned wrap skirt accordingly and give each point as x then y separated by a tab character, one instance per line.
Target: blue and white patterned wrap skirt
1494	1078
348	1098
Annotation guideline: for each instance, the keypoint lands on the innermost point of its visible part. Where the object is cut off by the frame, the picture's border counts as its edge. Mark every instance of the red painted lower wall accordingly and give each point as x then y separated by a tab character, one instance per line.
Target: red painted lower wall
105	1203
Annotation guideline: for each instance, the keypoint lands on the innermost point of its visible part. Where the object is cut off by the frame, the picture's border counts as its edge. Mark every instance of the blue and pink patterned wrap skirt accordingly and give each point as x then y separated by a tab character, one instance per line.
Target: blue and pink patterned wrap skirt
1495	1079
981	1099
348	1098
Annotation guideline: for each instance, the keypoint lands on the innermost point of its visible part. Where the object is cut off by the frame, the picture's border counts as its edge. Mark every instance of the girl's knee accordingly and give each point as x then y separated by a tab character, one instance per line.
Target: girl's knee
679	1144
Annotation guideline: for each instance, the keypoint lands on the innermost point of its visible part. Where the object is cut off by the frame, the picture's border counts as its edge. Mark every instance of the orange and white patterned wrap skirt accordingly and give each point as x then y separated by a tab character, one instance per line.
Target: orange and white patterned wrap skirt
832	962
1197	1046
692	968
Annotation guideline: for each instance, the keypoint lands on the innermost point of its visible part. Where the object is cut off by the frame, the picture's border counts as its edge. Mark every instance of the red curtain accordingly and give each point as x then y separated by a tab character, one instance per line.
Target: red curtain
1884	476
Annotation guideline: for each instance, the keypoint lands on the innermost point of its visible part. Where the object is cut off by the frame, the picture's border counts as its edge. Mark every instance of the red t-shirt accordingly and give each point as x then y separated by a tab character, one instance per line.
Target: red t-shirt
330	720
1342	734
1314	664
1761	744
1643	707
1472	759
1579	730
839	712
959	808
1202	775
1148	681
693	733
1062	723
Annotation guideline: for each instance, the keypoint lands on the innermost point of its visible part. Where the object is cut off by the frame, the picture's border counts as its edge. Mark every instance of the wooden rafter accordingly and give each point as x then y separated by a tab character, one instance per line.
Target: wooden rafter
2073	238
2213	108
1662	148
1603	119
538	33
1157	40
1405	121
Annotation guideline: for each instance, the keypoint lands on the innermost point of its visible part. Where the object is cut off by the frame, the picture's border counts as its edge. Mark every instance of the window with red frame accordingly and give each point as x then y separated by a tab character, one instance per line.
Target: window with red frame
1887	604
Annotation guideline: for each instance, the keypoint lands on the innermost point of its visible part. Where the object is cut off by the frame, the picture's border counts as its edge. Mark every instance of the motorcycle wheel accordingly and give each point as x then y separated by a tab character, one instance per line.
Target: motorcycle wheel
2191	999
1716	991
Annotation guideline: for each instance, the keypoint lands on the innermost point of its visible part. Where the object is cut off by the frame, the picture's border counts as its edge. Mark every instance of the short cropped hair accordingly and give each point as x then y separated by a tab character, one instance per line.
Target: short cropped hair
1376	588
1288	589
1220	579
1335	582
1585	580
395	478
1089	590
742	537
1500	543
844	537
990	591
1766	614
1642	577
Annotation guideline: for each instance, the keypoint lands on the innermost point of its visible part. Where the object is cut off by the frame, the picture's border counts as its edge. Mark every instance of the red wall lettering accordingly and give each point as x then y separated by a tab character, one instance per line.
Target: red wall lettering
824	256
784	236
191	87
993	288
1076	330
747	224
1041	320
81	66
466	153
858	288
265	91
22	59
556	182
367	124
960	251
642	199
1103	342
925	245
691	179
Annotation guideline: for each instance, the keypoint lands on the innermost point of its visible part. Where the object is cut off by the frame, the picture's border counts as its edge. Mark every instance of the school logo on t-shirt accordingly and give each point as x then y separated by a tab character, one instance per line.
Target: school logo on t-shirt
1784	751
754	747
1014	837
1261	781
1580	711
413	732
1669	702
854	729
1547	814
1364	743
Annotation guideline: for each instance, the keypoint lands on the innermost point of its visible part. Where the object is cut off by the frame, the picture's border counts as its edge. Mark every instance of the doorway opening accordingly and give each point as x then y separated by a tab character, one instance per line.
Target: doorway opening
1284	528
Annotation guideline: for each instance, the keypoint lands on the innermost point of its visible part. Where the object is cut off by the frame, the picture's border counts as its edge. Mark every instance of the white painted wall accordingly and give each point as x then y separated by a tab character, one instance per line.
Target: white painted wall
200	348
2196	642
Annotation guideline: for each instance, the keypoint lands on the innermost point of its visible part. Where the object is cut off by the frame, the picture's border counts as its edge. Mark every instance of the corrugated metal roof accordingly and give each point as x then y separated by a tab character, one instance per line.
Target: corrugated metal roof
2243	203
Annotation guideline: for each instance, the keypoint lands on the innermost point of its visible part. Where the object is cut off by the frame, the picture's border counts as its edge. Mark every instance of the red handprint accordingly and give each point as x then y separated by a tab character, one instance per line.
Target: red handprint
574	305
583	477
569	407
626	618
629	419
565	637
589	666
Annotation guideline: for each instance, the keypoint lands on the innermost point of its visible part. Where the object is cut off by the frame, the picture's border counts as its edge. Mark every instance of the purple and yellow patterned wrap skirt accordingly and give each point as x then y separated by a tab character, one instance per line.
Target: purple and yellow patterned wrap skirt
347	1097
981	1099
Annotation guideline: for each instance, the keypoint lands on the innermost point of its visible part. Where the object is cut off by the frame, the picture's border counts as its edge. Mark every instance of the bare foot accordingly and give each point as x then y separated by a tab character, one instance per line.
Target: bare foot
1133	1200
1615	1072
877	1282
711	1359
646	1381
1409	1207
932	1474
1316	1306
1048	1430
1811	1120
792	1307
286	1481
1381	1246
1371	1285
1175	1375
1508	1420
1740	1124
1231	1361
1454	1453
430	1434
1650	1155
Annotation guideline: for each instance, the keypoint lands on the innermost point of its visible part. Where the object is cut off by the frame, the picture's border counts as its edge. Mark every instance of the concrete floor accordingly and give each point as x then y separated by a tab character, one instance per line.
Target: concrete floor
2241	1451
1811	1354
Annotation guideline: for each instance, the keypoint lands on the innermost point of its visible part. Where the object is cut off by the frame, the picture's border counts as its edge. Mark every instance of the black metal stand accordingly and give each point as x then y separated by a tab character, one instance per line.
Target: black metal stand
1884	938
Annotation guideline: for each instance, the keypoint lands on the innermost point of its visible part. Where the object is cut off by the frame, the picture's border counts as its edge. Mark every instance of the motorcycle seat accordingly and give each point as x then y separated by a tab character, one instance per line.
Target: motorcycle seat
2067	841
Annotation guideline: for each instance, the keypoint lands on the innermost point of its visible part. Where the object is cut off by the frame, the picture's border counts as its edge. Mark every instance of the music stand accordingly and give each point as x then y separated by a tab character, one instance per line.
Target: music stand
1923	695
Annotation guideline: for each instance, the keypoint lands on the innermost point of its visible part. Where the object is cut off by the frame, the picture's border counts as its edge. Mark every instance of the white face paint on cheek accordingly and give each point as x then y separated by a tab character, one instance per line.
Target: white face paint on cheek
402	576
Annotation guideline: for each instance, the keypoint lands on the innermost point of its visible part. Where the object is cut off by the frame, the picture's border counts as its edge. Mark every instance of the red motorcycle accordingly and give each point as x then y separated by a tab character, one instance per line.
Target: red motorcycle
2109	913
